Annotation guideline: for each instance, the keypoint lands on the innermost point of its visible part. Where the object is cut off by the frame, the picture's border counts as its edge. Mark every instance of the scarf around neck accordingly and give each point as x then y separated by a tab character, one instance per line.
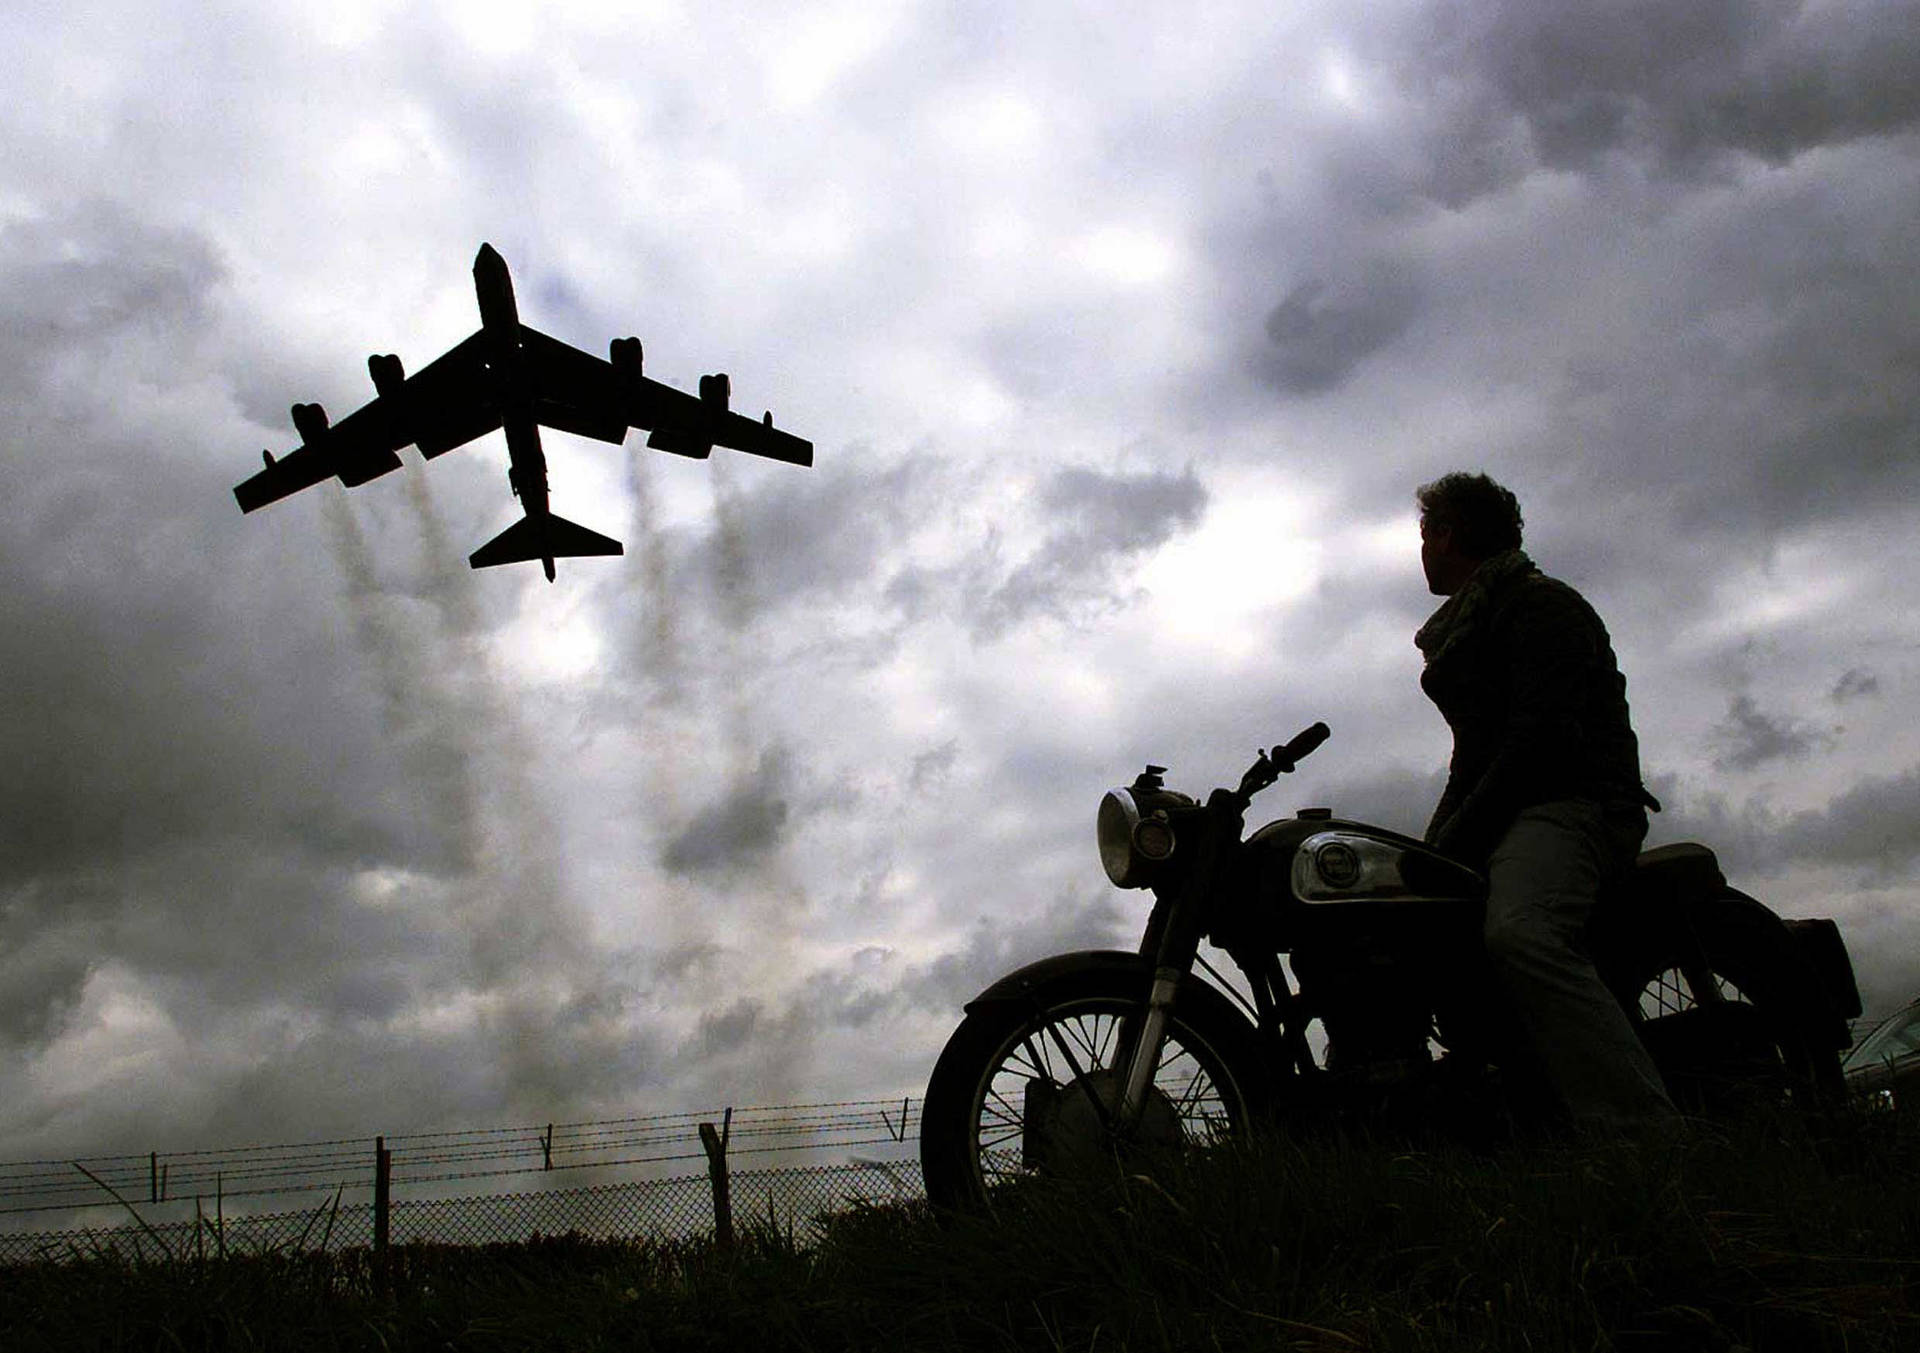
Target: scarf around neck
1461	614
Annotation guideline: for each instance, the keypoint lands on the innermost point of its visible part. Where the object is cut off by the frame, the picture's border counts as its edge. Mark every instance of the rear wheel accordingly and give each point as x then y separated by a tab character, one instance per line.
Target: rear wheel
1027	1088
1729	1010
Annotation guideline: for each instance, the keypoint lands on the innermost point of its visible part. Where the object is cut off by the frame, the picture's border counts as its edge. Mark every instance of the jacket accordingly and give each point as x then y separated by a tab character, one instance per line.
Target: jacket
1538	708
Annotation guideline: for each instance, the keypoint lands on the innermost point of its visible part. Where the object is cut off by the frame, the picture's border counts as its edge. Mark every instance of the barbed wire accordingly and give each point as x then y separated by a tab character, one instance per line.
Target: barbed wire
664	1209
446	1155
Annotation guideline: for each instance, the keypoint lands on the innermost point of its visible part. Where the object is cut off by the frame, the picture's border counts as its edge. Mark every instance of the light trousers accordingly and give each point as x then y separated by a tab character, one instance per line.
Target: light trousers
1543	879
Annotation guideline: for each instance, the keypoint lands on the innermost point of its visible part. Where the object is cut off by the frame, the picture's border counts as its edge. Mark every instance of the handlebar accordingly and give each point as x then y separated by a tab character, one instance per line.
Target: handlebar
1303	746
1271	765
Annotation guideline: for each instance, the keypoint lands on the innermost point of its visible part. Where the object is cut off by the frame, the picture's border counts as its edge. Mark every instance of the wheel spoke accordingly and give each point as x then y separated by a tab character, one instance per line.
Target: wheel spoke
1677	990
1011	1134
1190	1097
1046	1099
1715	1044
1079	1075
1005	1112
1087	1043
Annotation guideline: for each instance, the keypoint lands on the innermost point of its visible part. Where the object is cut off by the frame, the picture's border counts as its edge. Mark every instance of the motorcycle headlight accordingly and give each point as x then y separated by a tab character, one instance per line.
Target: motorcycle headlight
1130	844
1119	815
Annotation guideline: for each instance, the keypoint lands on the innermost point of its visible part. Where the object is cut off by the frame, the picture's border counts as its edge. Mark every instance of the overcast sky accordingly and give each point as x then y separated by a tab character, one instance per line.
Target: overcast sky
1123	336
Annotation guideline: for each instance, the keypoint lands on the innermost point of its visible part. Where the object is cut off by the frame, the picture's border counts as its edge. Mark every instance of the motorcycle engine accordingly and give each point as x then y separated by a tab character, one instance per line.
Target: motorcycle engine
1377	1015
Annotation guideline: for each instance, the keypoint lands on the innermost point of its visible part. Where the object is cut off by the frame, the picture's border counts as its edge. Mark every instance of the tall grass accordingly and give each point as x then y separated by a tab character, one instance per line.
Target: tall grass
1772	1235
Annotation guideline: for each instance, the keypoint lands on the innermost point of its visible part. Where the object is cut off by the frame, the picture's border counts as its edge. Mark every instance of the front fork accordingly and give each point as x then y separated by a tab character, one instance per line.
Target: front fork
1149	1039
1172	940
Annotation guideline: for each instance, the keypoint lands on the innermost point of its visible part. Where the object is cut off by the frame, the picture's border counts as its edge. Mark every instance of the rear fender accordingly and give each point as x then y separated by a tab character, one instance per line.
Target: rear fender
1805	970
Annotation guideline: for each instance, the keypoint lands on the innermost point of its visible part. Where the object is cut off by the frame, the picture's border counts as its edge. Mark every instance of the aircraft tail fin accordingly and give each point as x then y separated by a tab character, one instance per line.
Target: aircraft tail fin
545	538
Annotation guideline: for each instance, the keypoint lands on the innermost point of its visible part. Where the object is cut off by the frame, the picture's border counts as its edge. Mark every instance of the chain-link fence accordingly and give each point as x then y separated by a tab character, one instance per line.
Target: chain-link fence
240	1200
793	1199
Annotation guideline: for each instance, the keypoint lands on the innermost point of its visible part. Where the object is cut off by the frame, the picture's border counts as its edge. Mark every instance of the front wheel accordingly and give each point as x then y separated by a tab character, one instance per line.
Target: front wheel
1027	1085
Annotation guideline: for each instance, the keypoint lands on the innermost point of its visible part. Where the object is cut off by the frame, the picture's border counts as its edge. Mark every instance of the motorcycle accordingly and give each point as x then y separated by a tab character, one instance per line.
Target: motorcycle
1360	956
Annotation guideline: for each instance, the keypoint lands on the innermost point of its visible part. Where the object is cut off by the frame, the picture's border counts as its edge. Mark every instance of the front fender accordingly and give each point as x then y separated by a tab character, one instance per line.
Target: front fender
1021	983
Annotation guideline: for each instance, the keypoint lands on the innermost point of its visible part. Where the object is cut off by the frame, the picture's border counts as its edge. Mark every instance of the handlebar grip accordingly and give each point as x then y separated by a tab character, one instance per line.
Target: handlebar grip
1302	746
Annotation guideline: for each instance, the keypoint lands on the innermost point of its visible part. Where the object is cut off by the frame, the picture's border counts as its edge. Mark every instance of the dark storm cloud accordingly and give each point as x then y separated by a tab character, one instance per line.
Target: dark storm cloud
1854	683
1748	737
348	1078
1074	919
1728	337
1093	521
784	537
431	723
931	768
823	531
43	967
1714	364
741	827
1678	84
1874	825
133	709
870	995
1324	328
1872	828
90	285
723	1031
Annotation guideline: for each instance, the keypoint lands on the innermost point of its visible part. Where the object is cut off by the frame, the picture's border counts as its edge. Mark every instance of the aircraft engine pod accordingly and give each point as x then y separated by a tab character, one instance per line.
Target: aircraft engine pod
715	389
310	421
388	375
625	355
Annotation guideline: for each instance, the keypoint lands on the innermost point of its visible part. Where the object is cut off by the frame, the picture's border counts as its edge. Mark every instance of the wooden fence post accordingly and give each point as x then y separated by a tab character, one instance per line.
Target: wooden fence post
382	1195
716	1148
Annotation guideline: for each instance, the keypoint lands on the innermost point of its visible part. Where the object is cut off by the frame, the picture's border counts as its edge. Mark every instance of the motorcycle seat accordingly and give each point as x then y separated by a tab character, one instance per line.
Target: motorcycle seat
1684	869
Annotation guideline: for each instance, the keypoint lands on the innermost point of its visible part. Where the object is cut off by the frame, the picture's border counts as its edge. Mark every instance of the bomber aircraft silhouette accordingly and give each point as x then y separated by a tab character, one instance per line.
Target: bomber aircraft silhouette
513	377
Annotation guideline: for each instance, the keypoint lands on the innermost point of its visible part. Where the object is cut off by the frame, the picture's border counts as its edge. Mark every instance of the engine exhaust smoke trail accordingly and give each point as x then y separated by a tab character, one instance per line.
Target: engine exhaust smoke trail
663	715
450	582
518	952
431	756
658	632
774	900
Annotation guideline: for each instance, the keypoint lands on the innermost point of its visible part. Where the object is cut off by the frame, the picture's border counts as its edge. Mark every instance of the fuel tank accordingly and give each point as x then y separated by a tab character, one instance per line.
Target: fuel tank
1314	876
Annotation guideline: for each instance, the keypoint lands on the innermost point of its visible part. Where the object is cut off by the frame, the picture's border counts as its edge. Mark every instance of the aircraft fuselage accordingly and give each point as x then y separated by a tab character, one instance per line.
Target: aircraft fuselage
500	320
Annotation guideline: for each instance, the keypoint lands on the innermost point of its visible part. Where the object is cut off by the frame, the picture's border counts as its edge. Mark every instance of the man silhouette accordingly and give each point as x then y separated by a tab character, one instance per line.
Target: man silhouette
1544	792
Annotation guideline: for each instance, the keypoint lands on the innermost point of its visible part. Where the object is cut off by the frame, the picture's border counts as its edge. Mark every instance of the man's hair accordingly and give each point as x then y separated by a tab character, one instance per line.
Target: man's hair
1484	517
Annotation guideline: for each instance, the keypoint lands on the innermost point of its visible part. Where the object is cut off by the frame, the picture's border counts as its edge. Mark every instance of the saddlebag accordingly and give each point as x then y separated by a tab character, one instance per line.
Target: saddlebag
1819	942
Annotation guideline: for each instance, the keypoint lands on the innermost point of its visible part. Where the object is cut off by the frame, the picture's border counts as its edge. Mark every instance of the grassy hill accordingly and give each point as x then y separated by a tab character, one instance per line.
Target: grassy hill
1769	1236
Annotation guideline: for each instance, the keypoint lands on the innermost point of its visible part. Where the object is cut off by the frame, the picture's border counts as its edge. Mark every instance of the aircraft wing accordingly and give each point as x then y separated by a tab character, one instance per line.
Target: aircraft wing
299	469
359	447
460	396
445	404
578	392
451	400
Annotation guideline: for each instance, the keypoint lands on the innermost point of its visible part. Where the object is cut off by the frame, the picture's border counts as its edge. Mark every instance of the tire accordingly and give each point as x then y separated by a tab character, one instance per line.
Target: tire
1741	1031
1019	1089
